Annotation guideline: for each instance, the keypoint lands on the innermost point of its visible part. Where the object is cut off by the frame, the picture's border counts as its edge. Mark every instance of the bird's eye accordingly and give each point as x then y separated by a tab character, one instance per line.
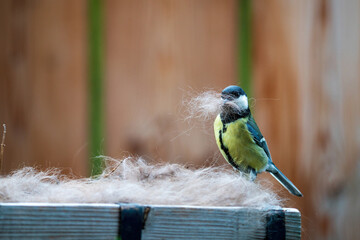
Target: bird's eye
229	97
235	94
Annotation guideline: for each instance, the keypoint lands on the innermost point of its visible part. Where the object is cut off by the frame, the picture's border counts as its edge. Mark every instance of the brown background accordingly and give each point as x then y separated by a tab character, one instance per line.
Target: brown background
306	61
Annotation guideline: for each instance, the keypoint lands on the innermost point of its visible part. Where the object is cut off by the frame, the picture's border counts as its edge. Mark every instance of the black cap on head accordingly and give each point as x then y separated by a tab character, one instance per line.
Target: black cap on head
233	92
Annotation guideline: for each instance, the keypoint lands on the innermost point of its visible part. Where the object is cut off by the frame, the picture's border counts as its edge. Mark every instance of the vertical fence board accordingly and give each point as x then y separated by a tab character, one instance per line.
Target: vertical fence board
156	53
43	85
307	62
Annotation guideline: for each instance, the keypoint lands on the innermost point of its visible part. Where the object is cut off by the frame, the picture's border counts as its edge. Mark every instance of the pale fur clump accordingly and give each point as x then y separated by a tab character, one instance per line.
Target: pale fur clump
208	104
203	106
135	181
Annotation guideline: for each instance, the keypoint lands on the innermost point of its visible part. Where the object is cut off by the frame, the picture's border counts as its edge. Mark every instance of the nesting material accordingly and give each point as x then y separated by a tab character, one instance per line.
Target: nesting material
203	106
132	180
135	181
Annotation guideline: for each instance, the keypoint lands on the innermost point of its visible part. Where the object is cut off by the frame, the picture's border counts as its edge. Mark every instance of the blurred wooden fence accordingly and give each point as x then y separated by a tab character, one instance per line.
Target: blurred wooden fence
305	79
43	83
155	52
306	64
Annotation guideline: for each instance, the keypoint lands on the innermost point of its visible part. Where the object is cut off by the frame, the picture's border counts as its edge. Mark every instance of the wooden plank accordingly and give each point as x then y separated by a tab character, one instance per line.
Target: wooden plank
100	221
214	223
156	52
306	68
293	223
195	223
43	84
63	221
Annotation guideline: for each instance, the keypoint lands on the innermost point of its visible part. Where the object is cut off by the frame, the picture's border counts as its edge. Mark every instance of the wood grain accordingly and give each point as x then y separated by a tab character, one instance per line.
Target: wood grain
307	58
43	83
157	53
214	223
57	221
100	221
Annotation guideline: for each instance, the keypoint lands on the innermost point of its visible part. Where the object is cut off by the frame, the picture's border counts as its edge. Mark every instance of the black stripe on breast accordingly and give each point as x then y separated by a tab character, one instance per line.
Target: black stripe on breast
226	151
224	128
231	116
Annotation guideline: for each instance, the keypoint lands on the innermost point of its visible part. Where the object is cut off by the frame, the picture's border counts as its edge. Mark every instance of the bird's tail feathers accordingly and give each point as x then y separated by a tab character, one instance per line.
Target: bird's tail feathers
283	180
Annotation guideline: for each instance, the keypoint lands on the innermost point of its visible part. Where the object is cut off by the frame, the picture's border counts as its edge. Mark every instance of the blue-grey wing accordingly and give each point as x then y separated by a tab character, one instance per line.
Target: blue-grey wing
257	136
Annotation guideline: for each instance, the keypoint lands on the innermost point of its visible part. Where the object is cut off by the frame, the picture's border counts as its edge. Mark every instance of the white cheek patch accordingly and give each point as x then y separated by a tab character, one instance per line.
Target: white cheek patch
242	102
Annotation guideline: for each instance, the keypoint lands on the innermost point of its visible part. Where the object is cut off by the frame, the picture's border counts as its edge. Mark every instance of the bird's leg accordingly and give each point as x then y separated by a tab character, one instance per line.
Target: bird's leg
249	173
252	174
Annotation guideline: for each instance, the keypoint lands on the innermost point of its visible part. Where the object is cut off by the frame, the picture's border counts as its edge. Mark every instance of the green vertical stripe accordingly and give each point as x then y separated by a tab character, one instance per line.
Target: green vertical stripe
95	71
244	68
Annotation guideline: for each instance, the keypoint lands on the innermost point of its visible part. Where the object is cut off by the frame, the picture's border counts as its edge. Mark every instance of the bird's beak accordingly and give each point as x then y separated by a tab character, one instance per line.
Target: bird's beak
228	103
225	101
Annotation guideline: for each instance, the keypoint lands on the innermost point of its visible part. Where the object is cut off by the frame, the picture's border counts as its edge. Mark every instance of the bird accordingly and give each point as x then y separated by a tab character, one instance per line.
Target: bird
240	141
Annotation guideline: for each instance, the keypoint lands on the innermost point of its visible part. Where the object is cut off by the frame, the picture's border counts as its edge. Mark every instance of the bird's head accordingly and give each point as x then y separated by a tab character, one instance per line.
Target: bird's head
234	99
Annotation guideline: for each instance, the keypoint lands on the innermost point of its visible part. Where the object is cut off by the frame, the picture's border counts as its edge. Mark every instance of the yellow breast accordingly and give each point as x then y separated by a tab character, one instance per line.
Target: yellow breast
241	147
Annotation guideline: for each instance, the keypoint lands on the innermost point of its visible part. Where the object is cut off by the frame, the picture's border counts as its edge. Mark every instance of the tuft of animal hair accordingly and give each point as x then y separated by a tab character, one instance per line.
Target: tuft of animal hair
204	106
136	181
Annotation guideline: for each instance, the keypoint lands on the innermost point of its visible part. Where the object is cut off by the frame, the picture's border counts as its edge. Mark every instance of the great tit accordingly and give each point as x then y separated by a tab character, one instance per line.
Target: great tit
240	140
